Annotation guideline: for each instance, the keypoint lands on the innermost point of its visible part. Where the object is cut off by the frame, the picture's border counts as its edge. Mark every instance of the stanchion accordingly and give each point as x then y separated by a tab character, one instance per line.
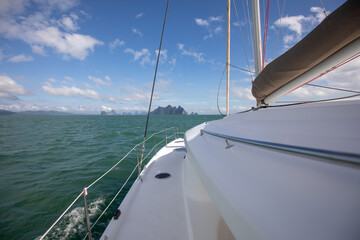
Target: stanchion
87	214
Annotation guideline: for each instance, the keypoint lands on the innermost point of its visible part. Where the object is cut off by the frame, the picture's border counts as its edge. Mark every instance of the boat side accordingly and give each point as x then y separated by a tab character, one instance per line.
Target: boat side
268	193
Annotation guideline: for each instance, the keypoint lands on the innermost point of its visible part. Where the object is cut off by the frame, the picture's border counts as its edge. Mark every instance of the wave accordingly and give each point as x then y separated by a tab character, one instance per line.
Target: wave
73	224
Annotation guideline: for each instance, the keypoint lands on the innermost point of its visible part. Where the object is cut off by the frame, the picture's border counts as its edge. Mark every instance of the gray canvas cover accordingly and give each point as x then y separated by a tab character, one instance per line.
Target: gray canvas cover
336	31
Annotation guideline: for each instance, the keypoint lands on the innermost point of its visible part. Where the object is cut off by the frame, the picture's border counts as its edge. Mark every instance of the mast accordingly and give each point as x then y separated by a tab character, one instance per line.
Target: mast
228	57
255	10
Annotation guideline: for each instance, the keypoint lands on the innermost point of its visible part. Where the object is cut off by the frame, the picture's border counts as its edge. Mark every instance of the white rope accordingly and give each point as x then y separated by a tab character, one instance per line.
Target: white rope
57	220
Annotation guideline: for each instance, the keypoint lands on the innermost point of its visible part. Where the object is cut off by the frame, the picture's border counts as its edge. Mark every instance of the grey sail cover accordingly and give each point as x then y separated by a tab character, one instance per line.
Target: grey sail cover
335	32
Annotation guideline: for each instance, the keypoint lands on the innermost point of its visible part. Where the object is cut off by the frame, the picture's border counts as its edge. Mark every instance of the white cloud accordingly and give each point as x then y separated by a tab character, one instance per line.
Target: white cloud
289	38
69	78
107	78
211	25
242	93
137	32
345	77
135	94
172	61
294	23
21	58
198	56
69	23
296	26
9	89
62	108
215	19
143	55
106	109
99	80
12	6
112	99
320	15
52	80
139	15
62	5
201	22
40	29
218	30
163	84
163	55
66	91
38	49
116	43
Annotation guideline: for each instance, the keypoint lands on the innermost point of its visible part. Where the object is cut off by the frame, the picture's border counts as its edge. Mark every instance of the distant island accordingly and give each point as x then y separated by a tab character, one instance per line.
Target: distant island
53	113
112	112
169	110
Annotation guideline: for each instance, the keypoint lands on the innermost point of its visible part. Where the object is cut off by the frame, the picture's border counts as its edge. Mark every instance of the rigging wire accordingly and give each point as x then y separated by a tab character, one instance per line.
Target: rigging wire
153	85
333	88
242	69
265	34
331	69
242	38
217	99
315	101
250	32
322	5
280	28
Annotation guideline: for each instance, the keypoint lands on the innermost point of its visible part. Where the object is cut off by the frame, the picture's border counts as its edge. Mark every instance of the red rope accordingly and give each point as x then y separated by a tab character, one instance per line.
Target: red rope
265	34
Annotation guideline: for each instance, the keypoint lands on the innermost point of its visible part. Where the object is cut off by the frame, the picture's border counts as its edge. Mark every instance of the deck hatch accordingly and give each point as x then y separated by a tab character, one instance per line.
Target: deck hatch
163	175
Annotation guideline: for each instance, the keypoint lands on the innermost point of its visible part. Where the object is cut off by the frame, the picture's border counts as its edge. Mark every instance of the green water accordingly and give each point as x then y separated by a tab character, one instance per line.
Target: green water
46	161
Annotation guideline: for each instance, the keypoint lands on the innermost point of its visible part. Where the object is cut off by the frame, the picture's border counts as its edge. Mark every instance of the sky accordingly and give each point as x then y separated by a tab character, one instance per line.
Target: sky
90	56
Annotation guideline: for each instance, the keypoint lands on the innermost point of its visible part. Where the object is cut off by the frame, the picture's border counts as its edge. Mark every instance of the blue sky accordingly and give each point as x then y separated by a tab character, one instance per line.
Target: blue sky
88	56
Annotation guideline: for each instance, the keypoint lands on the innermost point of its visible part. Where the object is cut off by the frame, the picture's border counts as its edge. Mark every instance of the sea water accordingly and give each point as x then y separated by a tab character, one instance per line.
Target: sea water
46	161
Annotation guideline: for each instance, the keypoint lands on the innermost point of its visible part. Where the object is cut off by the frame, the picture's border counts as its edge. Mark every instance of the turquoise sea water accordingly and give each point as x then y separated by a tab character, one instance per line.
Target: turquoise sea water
46	161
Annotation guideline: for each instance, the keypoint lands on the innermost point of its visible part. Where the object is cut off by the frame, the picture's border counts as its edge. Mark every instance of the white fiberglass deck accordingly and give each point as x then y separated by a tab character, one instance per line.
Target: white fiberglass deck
154	208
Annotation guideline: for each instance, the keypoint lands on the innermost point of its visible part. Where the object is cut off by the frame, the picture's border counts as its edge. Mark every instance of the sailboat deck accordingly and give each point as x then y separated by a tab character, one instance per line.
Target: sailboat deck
155	208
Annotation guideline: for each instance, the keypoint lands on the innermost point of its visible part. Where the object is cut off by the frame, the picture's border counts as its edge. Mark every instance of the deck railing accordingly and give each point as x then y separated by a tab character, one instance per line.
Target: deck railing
169	133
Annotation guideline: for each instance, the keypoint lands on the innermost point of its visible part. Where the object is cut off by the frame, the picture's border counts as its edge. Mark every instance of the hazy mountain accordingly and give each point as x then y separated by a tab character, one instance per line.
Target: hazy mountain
169	110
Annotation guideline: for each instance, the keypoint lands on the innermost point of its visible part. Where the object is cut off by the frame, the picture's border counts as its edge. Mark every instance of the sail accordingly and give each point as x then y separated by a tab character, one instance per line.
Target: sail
339	29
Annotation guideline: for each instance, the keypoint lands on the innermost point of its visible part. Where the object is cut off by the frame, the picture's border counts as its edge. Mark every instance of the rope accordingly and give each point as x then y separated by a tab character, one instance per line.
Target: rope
265	33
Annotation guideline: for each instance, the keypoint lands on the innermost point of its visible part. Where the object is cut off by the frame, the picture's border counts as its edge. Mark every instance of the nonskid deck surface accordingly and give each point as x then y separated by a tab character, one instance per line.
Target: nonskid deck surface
155	208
